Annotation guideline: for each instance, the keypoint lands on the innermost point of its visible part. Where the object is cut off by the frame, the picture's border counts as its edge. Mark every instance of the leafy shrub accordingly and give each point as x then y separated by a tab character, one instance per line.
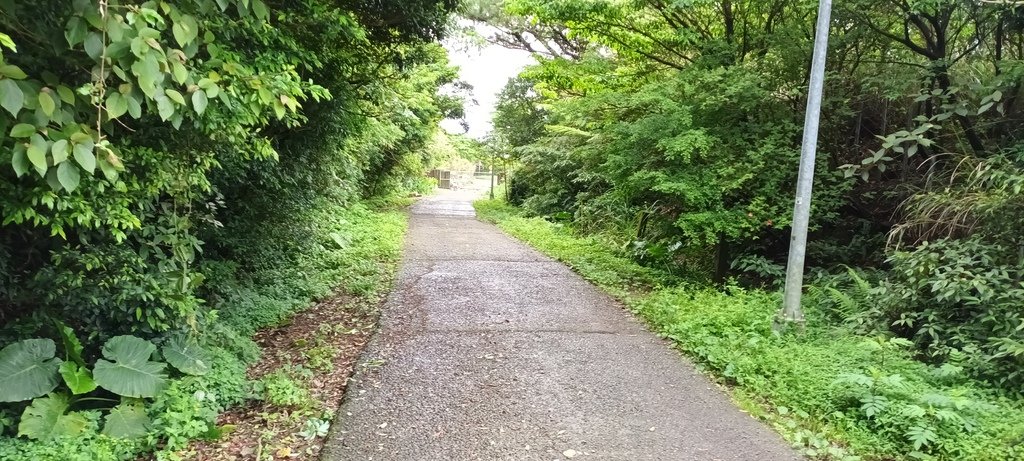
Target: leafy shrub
880	404
759	269
169	207
965	296
834	393
958	300
284	387
850	299
337	247
183	416
189	407
587	255
420	185
90	445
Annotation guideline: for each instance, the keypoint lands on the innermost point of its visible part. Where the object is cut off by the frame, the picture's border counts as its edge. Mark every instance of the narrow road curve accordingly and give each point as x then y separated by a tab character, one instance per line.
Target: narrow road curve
489	350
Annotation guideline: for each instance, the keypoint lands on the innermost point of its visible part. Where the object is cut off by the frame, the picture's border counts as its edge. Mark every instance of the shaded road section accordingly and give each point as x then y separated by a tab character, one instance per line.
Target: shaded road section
489	350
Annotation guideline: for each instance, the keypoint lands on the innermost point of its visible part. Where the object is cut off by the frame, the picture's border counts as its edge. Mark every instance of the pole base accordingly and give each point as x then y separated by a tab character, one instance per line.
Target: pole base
784	322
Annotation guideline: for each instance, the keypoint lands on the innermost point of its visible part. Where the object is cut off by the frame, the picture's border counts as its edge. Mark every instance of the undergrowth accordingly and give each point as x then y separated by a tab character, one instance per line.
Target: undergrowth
831	392
328	248
352	249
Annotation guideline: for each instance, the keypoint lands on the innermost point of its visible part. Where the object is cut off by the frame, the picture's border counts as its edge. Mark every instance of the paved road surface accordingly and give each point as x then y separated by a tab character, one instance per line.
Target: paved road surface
490	351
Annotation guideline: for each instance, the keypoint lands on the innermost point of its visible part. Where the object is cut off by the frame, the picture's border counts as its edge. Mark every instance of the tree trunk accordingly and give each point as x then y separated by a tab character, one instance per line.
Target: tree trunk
721	260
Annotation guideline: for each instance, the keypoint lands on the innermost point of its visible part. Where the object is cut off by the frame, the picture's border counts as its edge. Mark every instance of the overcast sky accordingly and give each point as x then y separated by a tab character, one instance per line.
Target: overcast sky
487	69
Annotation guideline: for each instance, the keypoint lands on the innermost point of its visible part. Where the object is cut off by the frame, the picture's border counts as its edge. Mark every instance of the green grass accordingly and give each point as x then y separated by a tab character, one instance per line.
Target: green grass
588	255
833	394
328	248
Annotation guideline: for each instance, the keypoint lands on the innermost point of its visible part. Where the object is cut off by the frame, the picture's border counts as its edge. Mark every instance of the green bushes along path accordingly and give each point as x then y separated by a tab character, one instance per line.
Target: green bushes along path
669	132
834	393
177	175
353	249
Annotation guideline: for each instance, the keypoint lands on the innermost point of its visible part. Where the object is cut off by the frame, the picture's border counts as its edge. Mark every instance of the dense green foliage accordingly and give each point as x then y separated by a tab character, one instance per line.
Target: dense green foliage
673	129
669	132
349	247
834	392
175	175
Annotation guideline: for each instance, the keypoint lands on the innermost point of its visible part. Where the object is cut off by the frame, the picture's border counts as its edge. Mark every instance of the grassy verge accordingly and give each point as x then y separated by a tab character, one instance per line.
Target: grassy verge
308	351
833	394
291	312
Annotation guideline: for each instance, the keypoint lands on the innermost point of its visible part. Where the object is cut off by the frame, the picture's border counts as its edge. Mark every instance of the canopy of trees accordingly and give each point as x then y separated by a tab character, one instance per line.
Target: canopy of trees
671	130
674	128
162	164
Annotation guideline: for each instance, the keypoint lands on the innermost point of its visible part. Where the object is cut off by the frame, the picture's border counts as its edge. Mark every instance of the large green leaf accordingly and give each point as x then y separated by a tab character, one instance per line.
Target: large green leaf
131	372
22	130
199	102
66	94
37	153
127	420
46	103
28	369
85	157
148	72
94	45
12	71
11	97
59	151
117	105
72	346
45	419
69	176
19	161
186	355
185	30
77	377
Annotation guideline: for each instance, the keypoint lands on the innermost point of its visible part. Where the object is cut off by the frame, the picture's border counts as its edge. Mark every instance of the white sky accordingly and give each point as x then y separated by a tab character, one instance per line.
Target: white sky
487	69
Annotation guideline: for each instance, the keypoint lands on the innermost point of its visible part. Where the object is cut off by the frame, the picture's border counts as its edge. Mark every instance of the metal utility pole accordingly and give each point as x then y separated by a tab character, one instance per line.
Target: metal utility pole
493	156
504	168
791	311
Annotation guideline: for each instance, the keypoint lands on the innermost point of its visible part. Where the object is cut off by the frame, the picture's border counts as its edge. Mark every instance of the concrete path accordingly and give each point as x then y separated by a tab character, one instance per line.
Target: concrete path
489	350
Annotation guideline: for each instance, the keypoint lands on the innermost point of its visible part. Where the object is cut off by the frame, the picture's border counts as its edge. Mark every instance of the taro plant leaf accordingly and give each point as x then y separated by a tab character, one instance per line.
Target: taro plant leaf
28	369
186	355
128	370
127	420
46	418
77	377
72	346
